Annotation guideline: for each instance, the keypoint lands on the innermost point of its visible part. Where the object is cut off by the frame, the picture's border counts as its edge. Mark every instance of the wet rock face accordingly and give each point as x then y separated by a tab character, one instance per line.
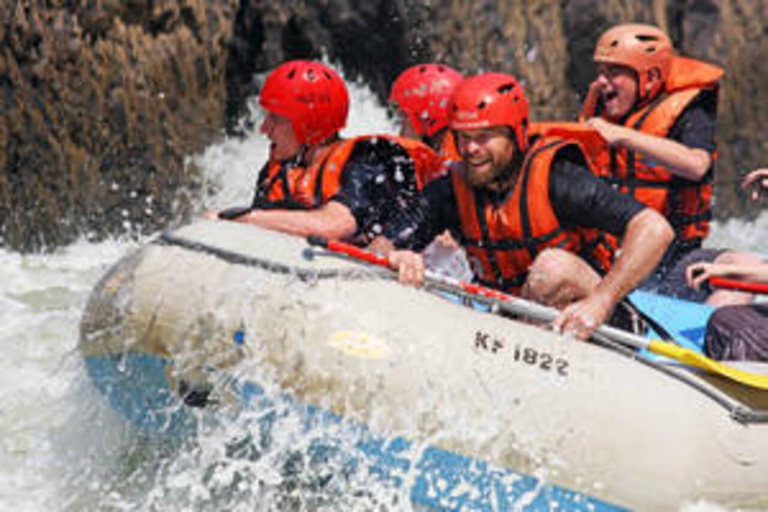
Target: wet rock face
102	101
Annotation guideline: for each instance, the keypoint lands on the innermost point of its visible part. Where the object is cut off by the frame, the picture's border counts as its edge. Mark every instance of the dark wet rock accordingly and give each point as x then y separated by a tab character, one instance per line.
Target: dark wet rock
102	101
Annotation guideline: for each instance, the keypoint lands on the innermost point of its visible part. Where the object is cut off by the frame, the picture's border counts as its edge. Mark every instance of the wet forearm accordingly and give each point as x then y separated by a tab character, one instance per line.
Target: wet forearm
683	161
647	236
333	220
746	272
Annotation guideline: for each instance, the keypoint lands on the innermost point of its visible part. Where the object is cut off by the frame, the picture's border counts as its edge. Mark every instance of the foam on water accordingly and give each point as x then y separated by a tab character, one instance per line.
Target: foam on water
62	447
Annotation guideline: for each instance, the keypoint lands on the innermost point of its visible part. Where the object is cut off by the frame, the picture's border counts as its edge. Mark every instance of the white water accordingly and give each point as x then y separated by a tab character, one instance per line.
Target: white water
61	447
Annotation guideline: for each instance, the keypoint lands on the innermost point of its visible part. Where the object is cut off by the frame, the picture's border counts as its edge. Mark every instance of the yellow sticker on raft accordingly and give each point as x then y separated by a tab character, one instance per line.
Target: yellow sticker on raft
359	344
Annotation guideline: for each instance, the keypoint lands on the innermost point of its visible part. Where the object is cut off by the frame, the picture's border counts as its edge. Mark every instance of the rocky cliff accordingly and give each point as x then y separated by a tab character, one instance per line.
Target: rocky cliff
103	100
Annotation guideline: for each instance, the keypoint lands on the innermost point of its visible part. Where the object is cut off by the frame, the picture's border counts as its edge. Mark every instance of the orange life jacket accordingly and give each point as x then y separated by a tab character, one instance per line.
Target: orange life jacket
296	187
686	204
502	240
449	151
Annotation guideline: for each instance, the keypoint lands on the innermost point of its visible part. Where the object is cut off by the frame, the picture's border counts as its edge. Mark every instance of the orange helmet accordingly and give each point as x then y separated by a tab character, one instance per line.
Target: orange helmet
423	93
311	95
640	47
490	99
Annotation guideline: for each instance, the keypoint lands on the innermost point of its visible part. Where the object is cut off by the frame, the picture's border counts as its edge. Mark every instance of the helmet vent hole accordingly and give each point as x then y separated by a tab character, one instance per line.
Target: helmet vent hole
647	38
327	75
504	89
481	105
615	43
291	74
652	49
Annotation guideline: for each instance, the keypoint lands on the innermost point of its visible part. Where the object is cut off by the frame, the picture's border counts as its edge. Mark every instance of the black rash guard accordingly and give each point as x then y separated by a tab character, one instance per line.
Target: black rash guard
578	198
377	182
697	125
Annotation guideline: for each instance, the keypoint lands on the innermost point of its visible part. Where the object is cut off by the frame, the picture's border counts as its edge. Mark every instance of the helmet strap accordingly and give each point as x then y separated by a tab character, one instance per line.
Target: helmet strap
434	140
301	155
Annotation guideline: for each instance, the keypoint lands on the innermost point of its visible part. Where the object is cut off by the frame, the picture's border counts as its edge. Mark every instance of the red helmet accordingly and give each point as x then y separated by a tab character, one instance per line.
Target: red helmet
311	95
490	99
640	47
423	93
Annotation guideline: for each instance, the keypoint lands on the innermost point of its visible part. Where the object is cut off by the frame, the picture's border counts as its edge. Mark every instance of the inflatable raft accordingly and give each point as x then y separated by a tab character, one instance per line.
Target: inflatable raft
469	409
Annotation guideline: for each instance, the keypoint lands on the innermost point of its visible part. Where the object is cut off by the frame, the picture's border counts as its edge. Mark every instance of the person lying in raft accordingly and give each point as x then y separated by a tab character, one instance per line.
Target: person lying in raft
658	113
526	213
737	333
734	333
315	182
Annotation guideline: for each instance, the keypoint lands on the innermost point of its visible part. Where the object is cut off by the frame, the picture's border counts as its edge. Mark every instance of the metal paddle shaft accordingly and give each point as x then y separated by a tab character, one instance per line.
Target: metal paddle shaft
542	313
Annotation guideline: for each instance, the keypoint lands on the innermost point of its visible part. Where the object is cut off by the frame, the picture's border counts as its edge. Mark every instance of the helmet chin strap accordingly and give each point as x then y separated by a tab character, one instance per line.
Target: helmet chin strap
432	141
646	97
298	159
302	153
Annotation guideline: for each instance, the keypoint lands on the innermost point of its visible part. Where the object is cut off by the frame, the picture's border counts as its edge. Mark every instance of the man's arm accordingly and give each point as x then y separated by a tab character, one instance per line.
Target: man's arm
332	220
700	272
646	238
580	199
683	161
757	181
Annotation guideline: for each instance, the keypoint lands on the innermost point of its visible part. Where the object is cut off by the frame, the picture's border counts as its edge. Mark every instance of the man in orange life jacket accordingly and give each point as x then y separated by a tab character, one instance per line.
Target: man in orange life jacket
422	95
522	210
657	111
315	183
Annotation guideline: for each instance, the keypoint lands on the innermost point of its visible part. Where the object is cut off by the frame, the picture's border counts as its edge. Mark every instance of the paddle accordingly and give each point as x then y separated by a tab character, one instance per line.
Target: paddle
734	284
524	307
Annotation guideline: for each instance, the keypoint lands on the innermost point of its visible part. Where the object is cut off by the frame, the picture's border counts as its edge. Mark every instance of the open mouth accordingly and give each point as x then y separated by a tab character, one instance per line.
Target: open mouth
478	163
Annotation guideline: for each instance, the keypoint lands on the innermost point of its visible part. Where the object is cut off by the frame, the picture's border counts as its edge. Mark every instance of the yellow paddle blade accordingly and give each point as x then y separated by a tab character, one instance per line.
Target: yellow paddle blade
688	356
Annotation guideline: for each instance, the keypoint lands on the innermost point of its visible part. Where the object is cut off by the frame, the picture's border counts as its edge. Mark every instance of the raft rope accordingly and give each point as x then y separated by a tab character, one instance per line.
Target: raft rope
304	274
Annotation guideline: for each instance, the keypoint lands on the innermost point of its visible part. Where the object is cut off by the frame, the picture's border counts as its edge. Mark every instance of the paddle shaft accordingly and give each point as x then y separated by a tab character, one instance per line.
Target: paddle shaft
734	284
523	307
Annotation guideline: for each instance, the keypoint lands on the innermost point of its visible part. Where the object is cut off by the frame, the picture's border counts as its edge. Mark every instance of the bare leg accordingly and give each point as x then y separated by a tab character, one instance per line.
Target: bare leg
557	278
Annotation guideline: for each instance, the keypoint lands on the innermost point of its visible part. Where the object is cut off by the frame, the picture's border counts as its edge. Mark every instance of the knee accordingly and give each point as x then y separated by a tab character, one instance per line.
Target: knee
557	277
551	266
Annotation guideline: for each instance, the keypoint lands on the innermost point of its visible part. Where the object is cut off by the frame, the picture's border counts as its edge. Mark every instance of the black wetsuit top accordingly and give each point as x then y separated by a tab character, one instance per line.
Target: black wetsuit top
697	125
578	197
377	182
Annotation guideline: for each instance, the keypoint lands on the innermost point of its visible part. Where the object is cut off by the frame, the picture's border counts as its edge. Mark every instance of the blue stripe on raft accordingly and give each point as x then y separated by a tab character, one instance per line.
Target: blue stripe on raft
135	386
